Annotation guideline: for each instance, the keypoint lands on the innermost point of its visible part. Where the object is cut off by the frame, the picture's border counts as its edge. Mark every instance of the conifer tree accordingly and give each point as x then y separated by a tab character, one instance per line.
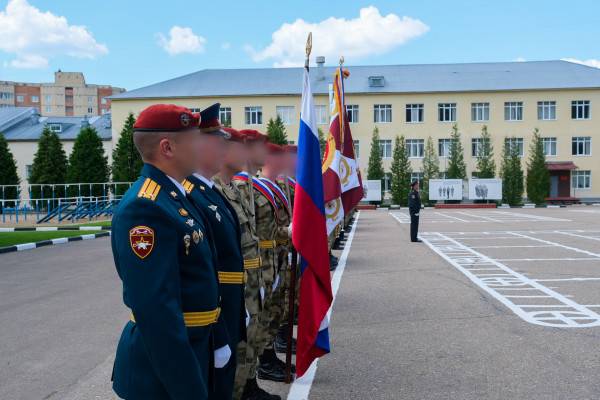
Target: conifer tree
401	172
276	131
486	166
126	160
49	166
8	173
538	177
457	168
431	168
87	164
512	174
375	168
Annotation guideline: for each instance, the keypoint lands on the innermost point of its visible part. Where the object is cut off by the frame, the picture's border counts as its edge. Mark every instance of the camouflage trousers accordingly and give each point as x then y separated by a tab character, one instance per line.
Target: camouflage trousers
247	351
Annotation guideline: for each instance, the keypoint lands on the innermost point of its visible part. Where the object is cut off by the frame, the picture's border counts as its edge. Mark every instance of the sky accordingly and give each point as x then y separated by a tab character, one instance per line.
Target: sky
132	43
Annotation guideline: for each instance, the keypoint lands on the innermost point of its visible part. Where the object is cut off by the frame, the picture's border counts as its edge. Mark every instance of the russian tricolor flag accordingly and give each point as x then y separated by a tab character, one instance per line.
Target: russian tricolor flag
310	240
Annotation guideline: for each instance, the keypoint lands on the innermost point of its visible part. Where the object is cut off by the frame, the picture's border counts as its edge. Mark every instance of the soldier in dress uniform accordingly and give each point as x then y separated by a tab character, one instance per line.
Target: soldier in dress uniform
164	256
259	211
275	312
225	227
414	207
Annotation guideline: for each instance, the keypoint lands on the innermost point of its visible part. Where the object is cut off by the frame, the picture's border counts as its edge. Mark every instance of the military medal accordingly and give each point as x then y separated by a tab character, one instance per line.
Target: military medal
218	216
213	207
196	237
187	242
190	222
183	212
174	194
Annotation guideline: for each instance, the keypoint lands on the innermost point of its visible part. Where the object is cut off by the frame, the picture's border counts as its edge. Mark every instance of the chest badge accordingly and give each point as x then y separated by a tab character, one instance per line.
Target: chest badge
218	216
197	236
190	222
183	212
213	207
173	194
141	240
187	241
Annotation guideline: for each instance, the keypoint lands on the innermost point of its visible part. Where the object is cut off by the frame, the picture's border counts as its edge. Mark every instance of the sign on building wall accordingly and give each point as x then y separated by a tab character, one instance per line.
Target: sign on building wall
445	189
485	189
372	190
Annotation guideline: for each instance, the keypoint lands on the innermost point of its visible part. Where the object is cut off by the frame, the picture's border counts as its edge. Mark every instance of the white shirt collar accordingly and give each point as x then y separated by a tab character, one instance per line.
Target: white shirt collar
178	185
206	181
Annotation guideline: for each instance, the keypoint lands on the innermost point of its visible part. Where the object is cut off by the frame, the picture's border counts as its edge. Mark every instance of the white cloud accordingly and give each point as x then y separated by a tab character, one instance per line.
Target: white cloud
34	36
181	40
520	59
590	63
369	34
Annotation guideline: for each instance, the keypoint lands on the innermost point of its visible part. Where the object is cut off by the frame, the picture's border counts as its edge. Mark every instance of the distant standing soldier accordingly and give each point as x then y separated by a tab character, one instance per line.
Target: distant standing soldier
414	207
164	255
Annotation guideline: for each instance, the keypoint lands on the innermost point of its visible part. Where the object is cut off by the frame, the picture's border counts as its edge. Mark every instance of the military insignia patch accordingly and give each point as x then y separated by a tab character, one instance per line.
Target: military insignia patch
141	239
183	212
184	119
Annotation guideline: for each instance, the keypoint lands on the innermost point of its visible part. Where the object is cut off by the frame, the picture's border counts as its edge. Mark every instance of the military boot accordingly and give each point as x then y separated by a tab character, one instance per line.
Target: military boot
253	392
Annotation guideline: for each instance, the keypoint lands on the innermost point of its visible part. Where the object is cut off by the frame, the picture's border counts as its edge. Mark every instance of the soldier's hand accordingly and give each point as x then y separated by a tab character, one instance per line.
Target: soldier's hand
222	356
290	231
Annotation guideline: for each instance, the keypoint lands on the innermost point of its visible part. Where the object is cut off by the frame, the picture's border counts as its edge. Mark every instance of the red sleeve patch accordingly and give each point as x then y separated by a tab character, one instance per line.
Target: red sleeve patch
141	239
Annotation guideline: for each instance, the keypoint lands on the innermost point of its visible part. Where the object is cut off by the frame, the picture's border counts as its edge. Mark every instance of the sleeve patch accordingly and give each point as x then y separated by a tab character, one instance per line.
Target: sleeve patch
141	240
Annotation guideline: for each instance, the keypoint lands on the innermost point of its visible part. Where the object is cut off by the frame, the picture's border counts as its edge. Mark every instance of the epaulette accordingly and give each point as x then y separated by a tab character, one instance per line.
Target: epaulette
188	186
149	190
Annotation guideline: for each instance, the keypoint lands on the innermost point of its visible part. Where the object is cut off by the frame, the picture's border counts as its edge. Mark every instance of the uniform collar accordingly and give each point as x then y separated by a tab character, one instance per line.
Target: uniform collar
206	181
177	185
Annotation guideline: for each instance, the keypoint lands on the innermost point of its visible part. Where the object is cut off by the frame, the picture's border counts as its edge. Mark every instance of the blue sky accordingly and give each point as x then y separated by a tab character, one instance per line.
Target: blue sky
131	43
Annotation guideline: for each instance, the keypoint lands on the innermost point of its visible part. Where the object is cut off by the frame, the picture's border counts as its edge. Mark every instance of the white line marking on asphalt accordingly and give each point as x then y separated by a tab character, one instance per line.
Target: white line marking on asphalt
300	388
532	216
578	236
479	216
567	279
510	247
549	259
555	244
574	316
450	216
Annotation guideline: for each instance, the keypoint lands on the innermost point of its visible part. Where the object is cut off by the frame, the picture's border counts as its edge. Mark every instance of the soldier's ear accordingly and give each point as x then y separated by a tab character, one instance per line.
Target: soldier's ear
165	147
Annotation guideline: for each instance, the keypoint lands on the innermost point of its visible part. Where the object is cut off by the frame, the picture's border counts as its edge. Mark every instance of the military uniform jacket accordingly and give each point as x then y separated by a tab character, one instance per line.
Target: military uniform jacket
414	202
230	263
164	256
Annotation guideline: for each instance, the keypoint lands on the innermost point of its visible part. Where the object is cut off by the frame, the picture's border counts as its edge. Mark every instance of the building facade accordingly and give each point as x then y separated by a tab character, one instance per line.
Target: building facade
68	96
560	99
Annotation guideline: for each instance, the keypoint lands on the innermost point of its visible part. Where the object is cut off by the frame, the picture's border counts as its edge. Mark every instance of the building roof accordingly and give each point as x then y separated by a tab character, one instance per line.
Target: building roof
422	78
25	124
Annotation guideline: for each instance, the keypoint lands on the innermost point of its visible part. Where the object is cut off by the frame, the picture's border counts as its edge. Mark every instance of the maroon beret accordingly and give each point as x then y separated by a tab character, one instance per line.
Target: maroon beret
274	148
166	118
235	135
253	135
291	148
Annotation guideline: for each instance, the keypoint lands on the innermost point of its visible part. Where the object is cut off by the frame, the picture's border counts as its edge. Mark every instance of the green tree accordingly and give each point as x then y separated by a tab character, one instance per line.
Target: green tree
49	167
322	142
538	178
486	166
431	168
8	173
512	174
126	160
276	131
375	168
87	164
401	172
457	168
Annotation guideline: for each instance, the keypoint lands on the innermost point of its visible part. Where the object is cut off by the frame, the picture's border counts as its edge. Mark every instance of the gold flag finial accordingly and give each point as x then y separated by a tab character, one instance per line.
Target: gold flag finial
308	48
341	61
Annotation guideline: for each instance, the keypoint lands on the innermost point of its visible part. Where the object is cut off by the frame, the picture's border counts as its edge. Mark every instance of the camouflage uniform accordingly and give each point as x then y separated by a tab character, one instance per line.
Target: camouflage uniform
238	195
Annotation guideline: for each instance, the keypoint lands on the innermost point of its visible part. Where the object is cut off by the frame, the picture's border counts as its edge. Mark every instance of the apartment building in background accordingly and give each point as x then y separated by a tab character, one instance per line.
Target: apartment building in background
68	96
559	98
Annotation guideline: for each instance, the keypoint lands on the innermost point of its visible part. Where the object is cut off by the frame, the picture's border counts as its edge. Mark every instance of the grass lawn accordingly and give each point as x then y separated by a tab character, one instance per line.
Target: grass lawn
12	238
104	224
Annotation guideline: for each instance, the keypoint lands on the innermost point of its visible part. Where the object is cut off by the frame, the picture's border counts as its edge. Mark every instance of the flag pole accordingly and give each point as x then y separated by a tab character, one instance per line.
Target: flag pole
294	266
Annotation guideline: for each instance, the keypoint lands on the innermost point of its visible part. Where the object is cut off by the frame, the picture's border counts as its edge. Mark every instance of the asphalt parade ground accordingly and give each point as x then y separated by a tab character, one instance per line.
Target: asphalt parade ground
494	304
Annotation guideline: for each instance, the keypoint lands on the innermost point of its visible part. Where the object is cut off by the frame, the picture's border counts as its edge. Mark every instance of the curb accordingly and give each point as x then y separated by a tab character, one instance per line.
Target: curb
50	242
55	228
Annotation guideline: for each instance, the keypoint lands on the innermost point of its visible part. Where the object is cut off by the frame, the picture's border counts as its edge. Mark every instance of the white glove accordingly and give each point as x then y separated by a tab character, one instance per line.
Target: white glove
247	318
416	214
290	231
222	356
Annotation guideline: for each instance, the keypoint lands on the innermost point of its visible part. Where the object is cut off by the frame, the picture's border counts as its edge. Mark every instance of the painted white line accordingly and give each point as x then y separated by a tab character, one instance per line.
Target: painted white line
549	259
479	216
578	236
25	246
567	279
567	315
300	388
450	216
531	216
510	247
556	244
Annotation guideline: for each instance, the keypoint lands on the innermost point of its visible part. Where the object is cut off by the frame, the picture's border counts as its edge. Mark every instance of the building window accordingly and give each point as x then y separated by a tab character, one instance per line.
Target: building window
90	110
357	148
581	179
35	99
225	115
20	98
387	182
385	148
518	142
382	113
195	110
286	113
28	169
90	99
480	112
417	176
447	112
549	144
580	109
581	146
415	147
546	110
103	100
253	115
6	95
414	113
321	114
48	109
513	111
476	146
55	127
352	112
444	147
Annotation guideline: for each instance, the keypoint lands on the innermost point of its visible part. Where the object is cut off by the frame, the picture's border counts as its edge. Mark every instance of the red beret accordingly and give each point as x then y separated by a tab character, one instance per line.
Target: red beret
166	118
274	148
235	135
291	148
253	135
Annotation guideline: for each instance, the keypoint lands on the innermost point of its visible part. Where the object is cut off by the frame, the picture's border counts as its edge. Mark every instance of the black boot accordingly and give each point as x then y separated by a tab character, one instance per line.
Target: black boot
253	392
280	343
272	368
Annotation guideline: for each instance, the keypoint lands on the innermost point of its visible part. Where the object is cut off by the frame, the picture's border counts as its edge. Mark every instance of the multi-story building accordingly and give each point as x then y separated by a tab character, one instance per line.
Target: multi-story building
67	96
559	98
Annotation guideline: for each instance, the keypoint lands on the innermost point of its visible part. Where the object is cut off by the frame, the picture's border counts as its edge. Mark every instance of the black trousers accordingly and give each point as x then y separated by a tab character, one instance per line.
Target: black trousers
414	227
